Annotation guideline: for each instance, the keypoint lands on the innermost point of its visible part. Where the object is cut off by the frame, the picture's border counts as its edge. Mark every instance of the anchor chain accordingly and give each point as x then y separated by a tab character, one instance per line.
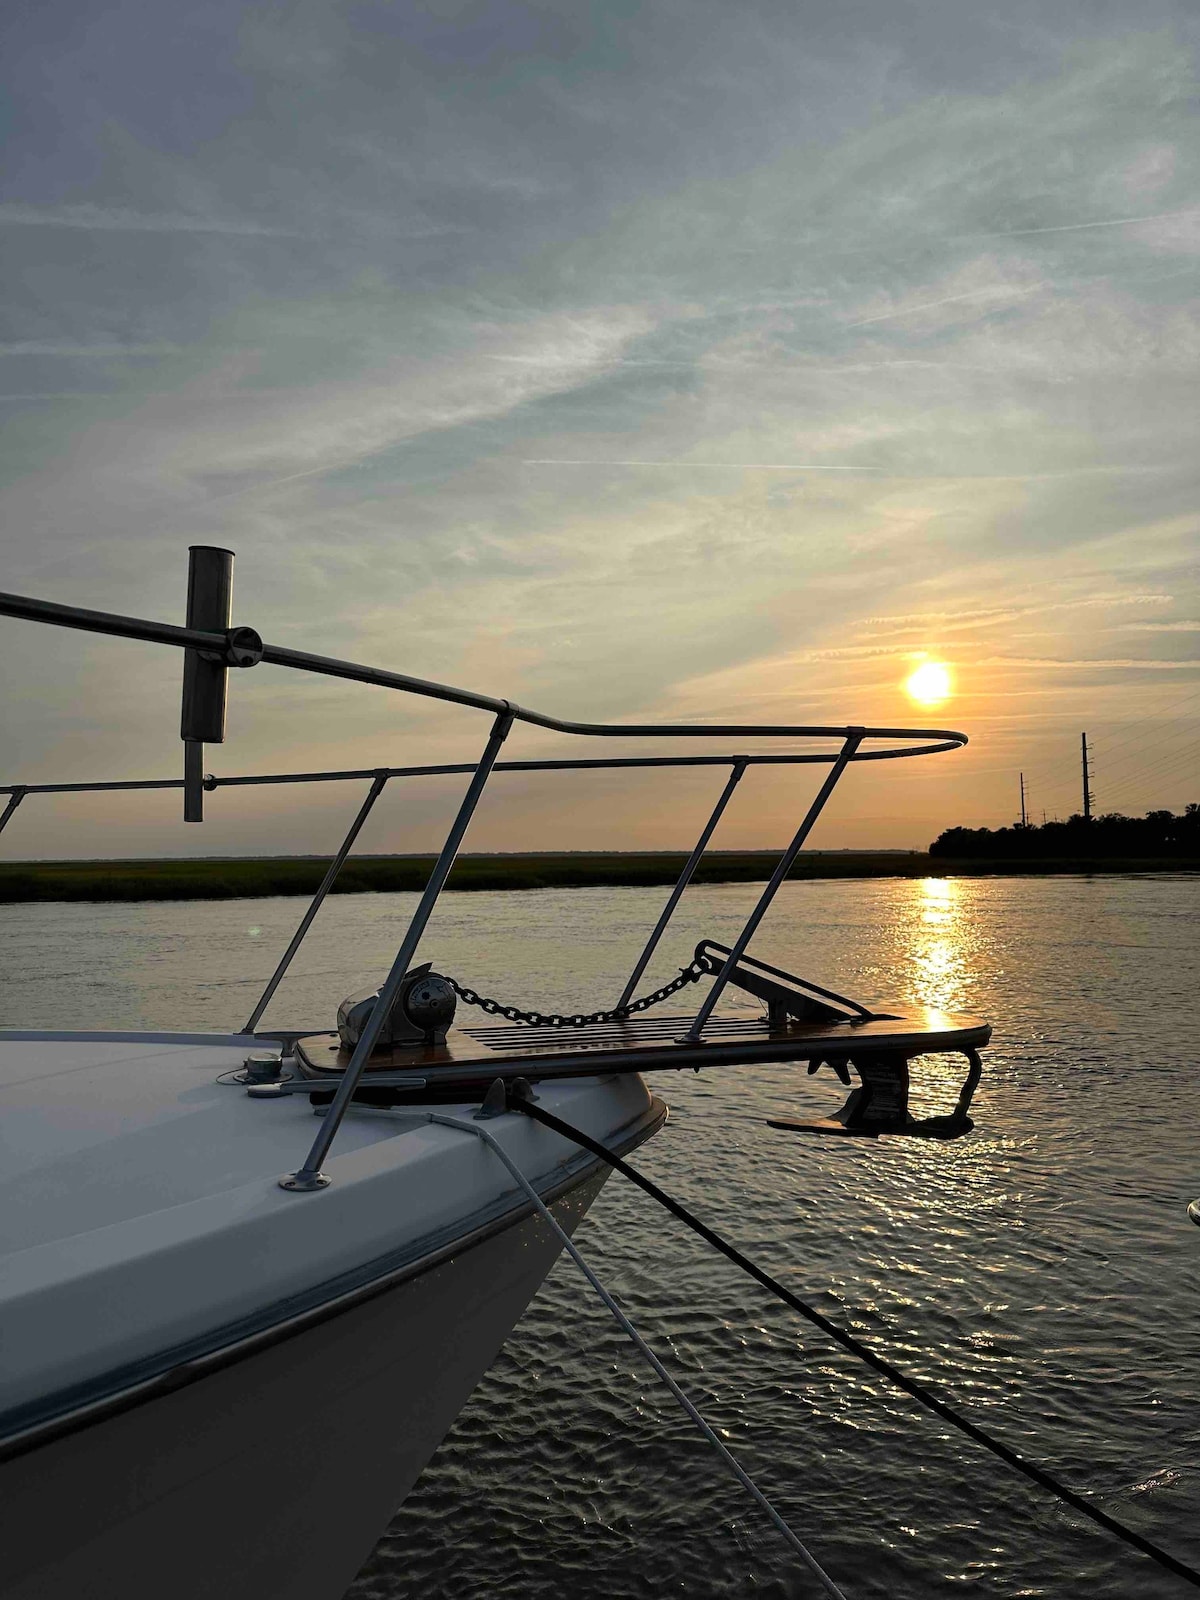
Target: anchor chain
536	1019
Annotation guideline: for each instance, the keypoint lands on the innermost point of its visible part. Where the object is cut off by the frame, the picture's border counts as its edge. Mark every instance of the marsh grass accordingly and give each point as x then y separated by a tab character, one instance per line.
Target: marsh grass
246	877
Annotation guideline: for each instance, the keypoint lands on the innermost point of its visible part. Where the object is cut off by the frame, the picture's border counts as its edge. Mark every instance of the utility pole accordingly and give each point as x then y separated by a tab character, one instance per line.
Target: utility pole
1024	818
1087	775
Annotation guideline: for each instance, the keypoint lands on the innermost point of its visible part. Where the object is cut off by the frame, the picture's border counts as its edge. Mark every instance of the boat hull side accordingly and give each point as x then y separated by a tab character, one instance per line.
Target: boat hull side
274	1476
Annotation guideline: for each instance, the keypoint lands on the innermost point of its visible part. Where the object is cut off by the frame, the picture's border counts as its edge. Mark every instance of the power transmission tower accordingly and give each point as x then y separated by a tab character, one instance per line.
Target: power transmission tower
1087	779
1024	818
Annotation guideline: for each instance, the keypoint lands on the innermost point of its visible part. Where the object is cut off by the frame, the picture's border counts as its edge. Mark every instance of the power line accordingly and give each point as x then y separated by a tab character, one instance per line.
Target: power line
1125	776
1133	765
1181	753
1172	769
1141	734
1125	772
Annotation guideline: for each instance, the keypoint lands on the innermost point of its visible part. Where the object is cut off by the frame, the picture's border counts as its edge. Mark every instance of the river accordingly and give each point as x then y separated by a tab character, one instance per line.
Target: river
1041	1271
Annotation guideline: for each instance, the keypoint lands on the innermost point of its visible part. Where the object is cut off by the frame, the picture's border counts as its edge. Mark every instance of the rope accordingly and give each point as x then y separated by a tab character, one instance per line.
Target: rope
911	1386
726	1455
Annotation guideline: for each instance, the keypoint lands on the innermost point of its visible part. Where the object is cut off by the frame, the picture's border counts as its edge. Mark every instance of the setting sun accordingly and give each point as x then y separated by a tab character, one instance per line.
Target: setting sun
931	684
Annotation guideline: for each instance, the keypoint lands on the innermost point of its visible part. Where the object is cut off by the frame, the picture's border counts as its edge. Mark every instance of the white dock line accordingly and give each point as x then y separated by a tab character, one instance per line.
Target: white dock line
743	1477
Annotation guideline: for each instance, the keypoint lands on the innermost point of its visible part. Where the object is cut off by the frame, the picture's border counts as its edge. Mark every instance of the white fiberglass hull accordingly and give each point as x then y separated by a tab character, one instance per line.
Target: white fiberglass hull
213	1387
274	1475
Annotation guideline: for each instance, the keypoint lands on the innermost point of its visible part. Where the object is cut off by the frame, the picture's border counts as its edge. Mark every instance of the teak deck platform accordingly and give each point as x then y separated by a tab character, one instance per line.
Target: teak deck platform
472	1059
648	1044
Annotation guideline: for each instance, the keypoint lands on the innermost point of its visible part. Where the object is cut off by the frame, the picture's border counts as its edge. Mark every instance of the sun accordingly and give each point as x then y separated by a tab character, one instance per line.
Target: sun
931	684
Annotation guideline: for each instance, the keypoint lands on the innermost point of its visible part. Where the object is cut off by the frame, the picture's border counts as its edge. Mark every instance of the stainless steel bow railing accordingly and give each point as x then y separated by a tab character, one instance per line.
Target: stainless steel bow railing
242	647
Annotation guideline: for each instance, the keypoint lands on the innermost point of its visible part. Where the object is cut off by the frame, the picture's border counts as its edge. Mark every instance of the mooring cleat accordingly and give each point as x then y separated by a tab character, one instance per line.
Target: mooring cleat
495	1102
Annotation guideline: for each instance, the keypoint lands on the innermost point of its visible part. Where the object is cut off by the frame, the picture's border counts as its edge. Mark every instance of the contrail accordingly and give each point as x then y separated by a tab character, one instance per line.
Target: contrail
867	472
717	466
995	291
1074	227
46	347
274	483
118	219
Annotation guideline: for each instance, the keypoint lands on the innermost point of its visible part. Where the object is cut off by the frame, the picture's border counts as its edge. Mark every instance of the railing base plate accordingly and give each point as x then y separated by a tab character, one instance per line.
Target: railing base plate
304	1182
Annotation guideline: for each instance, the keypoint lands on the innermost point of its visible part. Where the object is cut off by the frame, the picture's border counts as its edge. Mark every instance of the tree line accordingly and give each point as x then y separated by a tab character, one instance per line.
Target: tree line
1157	835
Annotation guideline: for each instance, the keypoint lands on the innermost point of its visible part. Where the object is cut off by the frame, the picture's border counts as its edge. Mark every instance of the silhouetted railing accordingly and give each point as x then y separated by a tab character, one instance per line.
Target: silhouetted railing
210	651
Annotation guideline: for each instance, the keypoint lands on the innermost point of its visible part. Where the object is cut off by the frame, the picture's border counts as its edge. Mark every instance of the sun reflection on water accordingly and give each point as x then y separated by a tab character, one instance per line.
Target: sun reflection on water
939	946
943	953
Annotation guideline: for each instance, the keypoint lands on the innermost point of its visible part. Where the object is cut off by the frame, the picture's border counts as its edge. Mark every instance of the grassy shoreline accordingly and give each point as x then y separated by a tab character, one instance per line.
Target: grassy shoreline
255	877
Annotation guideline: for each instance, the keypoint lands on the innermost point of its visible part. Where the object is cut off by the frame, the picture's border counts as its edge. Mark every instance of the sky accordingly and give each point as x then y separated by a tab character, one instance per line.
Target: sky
636	362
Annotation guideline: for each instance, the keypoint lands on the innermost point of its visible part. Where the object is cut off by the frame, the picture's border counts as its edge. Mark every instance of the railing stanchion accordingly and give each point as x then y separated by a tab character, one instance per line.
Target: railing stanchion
14	800
310	1176
854	737
327	882
685	877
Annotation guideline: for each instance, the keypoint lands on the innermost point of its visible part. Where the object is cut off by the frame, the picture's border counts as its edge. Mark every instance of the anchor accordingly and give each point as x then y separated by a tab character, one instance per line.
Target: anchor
880	1103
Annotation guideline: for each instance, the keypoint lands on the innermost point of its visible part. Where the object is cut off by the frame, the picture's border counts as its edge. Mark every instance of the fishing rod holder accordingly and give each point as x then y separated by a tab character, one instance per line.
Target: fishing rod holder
206	671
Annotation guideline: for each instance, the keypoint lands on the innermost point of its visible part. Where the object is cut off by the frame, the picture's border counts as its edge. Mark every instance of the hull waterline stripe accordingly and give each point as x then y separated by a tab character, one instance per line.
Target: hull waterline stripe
730	1460
911	1386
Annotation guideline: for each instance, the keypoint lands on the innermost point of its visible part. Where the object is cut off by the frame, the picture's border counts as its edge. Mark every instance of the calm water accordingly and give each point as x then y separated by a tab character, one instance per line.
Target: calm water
1042	1271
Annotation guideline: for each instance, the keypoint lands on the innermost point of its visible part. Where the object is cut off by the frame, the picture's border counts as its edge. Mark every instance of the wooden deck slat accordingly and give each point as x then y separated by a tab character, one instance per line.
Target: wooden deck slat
514	1036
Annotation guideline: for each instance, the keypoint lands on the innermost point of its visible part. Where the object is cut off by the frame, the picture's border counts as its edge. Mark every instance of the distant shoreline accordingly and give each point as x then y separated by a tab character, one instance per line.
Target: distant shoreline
246	877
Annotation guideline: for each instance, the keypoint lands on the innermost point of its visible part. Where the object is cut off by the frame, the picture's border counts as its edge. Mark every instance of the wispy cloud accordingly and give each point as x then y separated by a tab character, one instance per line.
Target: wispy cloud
997	616
1089	663
1191	626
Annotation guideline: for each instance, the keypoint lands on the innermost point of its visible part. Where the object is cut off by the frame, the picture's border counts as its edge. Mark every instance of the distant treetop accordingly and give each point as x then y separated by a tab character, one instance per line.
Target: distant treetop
1156	835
